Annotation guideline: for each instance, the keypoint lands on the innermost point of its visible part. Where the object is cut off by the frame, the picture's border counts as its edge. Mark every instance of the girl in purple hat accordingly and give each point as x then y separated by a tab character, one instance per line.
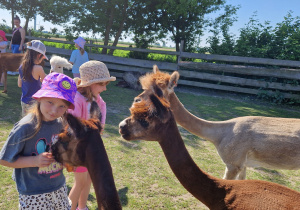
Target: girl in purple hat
78	57
39	178
3	46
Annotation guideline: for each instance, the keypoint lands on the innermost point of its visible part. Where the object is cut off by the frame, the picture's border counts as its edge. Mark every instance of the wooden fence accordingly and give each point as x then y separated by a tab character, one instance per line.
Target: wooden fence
275	78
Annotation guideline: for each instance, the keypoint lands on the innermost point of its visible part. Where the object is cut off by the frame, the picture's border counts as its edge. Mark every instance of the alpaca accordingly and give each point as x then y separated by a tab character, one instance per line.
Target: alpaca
9	62
58	63
152	120
241	142
80	144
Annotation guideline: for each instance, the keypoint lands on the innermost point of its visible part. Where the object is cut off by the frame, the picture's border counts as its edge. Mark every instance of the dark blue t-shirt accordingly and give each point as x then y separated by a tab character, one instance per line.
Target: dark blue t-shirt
33	180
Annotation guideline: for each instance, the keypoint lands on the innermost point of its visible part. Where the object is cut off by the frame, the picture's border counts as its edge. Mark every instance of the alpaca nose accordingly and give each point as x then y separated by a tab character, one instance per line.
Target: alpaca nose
122	124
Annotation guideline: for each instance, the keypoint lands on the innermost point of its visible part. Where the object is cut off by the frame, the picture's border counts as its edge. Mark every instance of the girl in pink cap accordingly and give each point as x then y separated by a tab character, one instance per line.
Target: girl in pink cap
78	57
39	178
3	46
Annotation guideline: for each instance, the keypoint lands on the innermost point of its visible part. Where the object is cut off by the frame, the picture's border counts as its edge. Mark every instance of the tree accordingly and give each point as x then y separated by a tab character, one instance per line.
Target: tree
105	17
186	20
11	5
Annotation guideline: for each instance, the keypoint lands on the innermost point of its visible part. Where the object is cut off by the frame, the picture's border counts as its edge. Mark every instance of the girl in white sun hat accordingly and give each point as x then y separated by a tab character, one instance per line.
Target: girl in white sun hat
31	73
94	79
79	56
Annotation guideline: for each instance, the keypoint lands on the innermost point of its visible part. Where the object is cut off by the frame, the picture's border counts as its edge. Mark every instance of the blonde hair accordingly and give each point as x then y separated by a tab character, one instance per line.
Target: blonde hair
37	117
87	92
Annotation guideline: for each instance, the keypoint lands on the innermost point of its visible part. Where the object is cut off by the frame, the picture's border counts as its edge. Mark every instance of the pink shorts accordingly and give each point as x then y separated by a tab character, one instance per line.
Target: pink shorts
80	169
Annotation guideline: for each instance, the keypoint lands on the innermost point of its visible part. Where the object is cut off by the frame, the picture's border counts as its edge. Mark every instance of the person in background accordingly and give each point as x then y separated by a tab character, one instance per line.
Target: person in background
31	73
94	79
17	40
3	46
39	178
79	56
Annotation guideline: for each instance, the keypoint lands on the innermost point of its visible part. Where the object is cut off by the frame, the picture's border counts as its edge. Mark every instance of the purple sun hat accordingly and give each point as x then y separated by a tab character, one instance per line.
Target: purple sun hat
80	41
57	85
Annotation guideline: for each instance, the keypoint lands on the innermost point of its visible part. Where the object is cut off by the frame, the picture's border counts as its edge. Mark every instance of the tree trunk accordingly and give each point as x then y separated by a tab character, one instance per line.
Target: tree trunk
12	17
111	9
120	27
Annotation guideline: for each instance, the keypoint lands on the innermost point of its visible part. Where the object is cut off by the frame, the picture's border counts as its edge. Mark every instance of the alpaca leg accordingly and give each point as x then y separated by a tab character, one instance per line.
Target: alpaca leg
242	174
231	172
5	82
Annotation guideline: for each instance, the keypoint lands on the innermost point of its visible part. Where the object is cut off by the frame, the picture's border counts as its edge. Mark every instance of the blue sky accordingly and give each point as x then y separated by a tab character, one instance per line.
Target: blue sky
267	10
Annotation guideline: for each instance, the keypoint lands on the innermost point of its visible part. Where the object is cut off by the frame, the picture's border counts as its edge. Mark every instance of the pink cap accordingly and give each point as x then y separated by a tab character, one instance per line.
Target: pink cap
2	34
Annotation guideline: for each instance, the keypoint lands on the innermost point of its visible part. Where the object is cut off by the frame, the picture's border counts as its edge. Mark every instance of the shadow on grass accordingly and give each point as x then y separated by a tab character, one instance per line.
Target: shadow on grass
123	196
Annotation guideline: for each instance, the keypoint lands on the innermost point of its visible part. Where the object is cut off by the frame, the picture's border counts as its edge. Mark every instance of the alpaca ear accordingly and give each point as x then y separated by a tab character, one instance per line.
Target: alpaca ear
76	125
173	80
160	110
155	69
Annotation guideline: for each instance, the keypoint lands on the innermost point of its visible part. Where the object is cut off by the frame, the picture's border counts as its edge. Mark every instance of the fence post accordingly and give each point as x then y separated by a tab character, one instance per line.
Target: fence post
180	51
91	42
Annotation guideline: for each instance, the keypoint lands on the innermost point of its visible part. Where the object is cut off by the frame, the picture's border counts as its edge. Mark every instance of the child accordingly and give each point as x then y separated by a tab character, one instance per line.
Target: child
78	57
3	45
31	73
38	177
94	78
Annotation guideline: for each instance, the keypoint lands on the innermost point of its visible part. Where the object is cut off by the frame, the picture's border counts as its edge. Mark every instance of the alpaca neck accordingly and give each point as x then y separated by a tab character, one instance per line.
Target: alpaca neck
201	185
199	127
100	171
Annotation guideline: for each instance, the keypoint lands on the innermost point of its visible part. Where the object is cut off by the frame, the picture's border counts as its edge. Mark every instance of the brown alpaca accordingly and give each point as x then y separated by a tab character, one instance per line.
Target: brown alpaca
152	120
9	62
80	144
241	142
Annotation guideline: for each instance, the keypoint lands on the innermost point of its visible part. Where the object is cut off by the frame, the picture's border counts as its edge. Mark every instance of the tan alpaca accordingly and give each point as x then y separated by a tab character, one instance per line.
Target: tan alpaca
152	120
241	142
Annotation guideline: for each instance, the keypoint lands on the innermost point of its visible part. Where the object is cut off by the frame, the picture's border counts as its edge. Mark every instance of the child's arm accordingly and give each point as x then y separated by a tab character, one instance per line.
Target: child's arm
42	160
38	72
72	58
19	81
22	31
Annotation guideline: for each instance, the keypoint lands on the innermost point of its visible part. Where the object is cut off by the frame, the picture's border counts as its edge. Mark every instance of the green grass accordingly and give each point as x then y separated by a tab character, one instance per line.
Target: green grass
143	177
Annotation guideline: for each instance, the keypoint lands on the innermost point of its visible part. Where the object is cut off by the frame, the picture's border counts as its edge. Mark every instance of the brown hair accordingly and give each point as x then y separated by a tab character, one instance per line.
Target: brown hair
81	50
28	62
87	92
17	18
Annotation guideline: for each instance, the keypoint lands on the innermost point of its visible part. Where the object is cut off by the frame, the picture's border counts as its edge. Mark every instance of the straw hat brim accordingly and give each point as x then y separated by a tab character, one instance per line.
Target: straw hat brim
110	79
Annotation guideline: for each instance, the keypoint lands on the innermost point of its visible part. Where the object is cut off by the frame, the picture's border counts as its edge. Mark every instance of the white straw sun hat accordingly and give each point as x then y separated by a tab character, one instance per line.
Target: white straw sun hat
93	72
38	46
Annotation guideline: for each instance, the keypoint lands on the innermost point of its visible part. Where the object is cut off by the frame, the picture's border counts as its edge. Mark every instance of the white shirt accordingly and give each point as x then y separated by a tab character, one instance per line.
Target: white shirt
2	44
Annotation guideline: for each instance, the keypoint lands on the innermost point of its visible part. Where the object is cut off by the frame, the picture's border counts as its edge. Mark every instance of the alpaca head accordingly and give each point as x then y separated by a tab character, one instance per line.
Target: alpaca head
58	63
70	148
150	112
164	81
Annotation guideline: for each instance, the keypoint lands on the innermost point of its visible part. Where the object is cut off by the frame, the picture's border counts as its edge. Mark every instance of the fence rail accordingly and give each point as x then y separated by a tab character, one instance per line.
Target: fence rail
235	74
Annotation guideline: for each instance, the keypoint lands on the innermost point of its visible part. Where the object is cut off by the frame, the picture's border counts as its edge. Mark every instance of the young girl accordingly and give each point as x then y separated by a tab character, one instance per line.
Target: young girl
94	78
31	73
39	179
78	57
3	45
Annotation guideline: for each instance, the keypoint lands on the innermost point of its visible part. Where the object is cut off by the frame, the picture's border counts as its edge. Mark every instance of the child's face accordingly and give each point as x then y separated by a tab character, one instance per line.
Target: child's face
1	39
76	45
52	108
98	88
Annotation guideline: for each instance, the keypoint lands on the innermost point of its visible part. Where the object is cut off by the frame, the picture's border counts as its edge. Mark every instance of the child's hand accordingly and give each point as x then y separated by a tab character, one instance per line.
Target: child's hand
44	159
102	128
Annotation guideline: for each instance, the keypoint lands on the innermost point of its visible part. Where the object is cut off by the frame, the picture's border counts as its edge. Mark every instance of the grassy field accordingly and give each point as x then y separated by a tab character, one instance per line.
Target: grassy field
143	177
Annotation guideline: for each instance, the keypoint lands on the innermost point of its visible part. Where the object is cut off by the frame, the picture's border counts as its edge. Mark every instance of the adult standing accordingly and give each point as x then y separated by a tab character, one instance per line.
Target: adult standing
17	40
